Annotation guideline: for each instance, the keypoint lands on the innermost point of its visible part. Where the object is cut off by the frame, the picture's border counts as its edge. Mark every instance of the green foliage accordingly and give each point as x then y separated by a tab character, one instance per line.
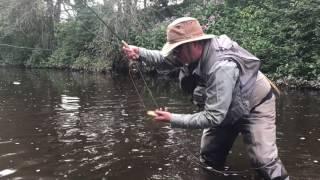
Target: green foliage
86	63
73	38
23	24
36	58
286	36
20	25
153	39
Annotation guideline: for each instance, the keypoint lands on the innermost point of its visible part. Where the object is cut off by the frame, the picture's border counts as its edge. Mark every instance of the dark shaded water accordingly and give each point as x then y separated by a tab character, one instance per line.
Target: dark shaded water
66	125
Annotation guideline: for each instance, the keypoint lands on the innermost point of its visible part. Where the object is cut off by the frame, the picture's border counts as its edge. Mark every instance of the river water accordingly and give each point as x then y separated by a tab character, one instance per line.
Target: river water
72	125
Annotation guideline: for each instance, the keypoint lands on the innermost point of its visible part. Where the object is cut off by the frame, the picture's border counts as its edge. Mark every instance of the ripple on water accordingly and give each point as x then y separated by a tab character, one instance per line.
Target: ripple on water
8	154
69	103
7	172
69	141
5	142
302	138
135	150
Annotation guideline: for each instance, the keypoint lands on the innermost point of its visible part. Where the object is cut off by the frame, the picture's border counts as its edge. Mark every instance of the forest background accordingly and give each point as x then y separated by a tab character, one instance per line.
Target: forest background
85	34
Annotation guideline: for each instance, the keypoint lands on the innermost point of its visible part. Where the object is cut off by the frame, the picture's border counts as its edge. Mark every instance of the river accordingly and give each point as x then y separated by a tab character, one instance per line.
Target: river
73	125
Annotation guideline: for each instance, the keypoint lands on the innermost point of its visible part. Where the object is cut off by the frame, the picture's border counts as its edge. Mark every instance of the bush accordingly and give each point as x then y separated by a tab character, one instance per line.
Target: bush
286	36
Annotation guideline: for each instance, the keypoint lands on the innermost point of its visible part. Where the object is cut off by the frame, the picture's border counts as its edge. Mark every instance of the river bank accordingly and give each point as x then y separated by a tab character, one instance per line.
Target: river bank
298	83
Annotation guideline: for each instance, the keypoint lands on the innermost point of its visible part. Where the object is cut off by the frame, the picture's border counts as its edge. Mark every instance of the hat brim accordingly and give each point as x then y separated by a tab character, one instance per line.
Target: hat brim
168	47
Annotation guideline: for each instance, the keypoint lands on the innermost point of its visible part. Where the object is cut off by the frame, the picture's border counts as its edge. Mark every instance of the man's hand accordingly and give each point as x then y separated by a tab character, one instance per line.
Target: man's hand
131	52
162	116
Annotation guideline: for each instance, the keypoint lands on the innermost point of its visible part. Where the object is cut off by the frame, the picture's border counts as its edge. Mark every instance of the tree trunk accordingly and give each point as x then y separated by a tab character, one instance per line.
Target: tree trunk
50	24
57	11
144	3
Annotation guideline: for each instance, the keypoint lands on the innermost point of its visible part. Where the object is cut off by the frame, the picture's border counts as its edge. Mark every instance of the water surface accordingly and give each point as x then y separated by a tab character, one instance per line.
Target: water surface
72	125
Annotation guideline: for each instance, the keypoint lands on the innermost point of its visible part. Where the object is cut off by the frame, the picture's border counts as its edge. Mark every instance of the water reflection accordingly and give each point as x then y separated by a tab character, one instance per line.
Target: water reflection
7	172
70	103
68	119
68	125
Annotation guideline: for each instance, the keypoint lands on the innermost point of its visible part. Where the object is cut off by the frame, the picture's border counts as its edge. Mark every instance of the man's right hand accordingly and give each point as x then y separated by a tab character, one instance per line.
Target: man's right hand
131	52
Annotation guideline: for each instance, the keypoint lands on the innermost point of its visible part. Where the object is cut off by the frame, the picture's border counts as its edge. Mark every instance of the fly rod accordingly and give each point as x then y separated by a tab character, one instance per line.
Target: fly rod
23	47
125	44
144	81
103	22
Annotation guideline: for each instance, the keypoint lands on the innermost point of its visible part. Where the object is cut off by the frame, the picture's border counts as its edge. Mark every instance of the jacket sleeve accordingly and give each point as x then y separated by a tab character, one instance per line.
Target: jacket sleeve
155	58
219	90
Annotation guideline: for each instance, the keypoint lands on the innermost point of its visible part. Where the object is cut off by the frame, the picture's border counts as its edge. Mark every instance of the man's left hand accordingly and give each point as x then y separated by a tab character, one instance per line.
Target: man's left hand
163	116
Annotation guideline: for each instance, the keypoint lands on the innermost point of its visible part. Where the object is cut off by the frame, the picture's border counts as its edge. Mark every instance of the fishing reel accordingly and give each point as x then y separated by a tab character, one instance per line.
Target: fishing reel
133	67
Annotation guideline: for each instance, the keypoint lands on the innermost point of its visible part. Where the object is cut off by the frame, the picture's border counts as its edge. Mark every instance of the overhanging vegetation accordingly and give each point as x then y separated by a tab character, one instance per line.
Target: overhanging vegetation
284	34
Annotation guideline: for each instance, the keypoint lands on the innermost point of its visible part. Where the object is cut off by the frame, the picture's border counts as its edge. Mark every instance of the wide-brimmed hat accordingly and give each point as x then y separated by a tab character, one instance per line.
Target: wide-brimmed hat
181	31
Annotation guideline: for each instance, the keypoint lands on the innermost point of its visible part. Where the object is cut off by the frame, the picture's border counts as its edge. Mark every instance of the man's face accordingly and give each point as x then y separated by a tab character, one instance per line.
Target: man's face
188	53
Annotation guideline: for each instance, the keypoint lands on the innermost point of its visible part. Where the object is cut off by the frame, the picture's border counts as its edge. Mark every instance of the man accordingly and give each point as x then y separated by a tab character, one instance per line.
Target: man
236	97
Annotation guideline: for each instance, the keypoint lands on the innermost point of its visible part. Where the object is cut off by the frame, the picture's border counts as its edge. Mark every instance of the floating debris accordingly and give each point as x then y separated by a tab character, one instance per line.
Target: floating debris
134	150
38	170
316	161
16	83
302	138
129	167
160	169
123	113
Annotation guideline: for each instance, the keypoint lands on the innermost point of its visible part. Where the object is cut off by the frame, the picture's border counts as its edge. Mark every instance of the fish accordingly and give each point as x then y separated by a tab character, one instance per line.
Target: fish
152	113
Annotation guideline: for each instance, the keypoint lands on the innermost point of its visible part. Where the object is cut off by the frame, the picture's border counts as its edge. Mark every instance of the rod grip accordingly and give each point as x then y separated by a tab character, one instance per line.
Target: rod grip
124	43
